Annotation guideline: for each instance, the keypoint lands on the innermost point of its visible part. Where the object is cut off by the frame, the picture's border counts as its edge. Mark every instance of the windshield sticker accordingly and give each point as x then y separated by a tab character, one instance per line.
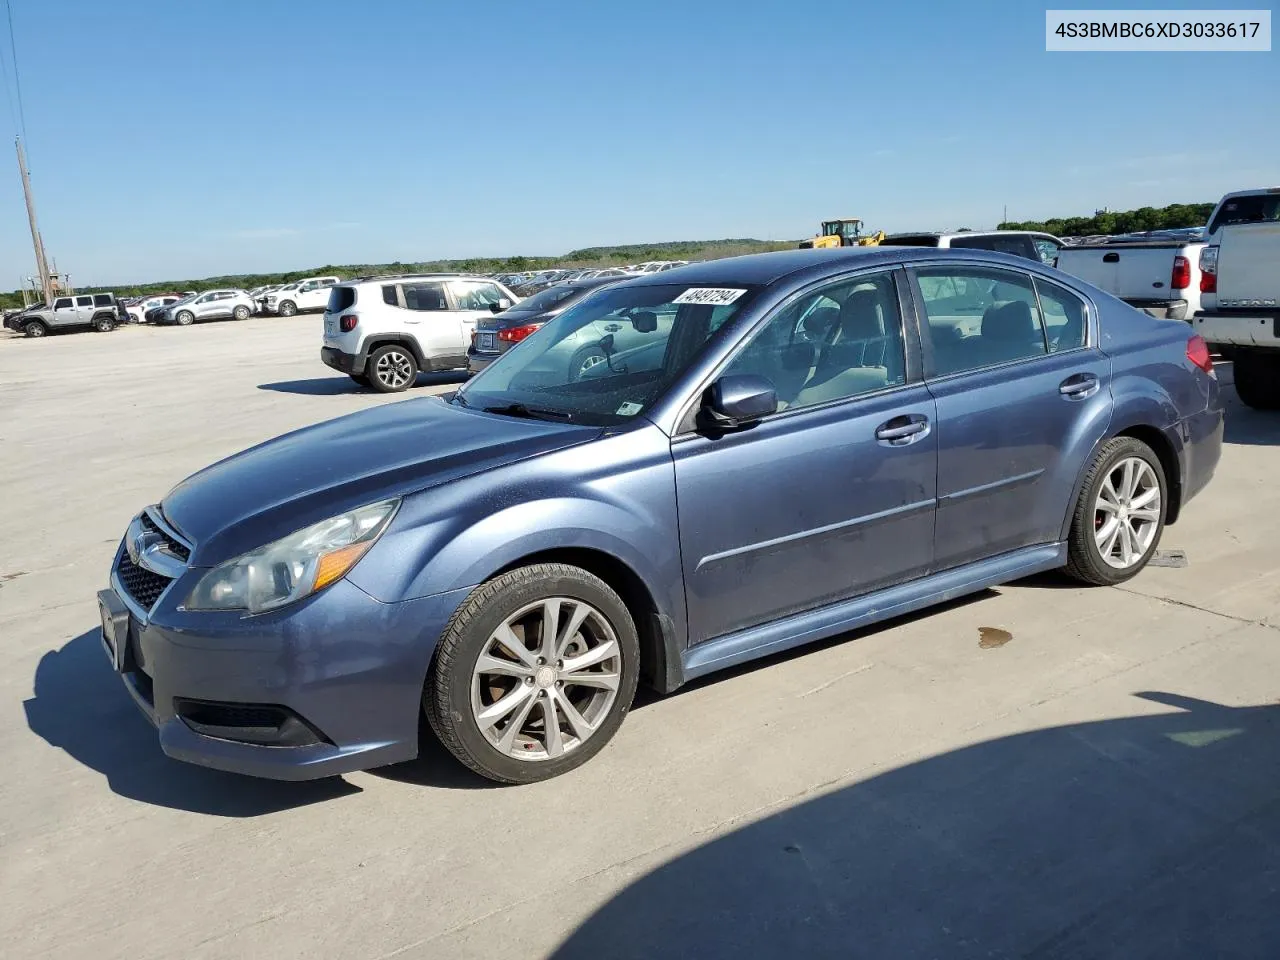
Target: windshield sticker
630	409
716	296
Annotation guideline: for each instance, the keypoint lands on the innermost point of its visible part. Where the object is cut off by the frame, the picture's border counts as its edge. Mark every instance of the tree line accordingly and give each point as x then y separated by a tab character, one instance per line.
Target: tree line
1124	221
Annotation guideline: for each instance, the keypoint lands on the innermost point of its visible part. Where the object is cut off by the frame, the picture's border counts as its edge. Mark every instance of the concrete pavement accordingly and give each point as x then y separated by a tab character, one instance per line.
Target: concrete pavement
901	792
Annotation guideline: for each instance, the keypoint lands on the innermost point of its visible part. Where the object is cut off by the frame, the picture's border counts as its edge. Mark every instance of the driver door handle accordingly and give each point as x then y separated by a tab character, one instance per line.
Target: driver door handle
904	430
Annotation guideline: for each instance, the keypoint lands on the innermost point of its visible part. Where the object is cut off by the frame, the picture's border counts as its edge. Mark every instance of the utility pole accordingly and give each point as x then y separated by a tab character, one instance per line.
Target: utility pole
42	265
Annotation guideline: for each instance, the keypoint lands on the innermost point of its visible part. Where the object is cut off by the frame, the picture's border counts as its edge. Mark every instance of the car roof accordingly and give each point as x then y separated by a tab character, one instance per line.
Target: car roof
766	268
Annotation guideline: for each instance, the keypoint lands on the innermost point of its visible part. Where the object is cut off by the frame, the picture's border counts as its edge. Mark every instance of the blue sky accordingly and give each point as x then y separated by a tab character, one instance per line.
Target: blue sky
177	139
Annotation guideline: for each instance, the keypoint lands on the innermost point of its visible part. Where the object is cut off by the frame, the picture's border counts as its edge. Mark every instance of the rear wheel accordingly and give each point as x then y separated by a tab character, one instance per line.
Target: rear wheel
34	328
288	308
1120	514
104	324
1257	381
241	313
534	673
391	369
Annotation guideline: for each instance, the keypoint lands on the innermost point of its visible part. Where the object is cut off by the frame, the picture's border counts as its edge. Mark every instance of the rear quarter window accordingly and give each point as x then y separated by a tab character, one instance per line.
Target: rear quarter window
341	298
102	300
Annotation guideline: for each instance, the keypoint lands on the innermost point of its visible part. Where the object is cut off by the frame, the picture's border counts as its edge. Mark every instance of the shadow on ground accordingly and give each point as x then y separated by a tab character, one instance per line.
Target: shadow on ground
81	706
1149	837
333	386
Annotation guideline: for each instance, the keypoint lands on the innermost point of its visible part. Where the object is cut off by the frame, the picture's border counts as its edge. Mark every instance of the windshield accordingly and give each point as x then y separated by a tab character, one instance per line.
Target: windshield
607	358
546	299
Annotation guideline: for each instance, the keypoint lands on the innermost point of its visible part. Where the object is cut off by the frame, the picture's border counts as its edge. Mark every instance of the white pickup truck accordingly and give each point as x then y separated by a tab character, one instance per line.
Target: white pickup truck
1158	276
1240	292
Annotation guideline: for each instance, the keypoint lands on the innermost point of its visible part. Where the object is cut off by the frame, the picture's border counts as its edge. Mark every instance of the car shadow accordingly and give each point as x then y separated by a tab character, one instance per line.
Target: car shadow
1154	836
80	706
333	386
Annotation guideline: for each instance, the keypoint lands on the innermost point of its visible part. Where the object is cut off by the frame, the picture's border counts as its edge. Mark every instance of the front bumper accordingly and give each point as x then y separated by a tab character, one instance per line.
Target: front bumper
342	361
1239	330
345	669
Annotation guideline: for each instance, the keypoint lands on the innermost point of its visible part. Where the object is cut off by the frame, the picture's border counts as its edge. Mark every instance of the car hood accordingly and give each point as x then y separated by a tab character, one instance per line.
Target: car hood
277	487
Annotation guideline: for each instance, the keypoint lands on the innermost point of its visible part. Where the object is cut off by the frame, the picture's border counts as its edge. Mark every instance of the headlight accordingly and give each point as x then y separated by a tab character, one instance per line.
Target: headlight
295	566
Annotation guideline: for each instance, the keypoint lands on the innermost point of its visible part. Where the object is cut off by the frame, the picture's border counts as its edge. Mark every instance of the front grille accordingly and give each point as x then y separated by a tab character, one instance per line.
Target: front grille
143	586
176	547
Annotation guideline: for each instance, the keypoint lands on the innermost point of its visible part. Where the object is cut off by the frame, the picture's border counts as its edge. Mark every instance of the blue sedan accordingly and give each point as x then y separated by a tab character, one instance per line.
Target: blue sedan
782	448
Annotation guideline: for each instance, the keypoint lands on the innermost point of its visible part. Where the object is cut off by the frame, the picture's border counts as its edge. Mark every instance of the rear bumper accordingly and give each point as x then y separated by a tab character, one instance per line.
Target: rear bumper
1239	330
478	361
349	363
1163	309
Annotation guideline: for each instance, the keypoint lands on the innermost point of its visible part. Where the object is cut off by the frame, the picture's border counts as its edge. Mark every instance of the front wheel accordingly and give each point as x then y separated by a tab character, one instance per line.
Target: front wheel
34	328
534	673
240	313
288	308
391	369
185	318
1257	380
1120	514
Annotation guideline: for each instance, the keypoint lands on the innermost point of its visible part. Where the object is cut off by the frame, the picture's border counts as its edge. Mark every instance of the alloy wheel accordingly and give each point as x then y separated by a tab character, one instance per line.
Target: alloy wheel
1127	512
592	360
394	369
547	679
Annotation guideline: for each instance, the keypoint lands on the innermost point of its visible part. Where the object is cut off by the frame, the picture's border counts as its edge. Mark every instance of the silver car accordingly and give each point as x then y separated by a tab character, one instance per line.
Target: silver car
211	305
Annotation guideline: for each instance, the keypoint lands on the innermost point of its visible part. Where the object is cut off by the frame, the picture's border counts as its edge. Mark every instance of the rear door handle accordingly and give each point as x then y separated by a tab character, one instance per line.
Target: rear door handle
903	430
1079	386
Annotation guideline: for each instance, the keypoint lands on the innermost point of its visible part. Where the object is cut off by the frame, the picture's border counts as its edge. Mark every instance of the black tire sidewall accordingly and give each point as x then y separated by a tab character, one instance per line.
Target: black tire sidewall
1085	552
372	367
448	692
1257	381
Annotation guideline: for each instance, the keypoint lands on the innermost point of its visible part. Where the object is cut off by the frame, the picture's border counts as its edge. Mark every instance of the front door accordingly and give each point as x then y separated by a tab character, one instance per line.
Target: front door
430	321
64	312
829	498
1023	396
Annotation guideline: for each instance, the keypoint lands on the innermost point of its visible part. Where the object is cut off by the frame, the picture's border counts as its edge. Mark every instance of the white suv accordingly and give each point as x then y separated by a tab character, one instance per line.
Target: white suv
299	296
382	331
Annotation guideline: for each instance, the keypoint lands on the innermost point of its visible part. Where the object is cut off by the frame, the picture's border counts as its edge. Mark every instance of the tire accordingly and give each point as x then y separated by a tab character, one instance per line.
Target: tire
104	324
1257	381
584	360
391	369
1086	561
456	693
34	328
185	318
360	378
288	308
240	313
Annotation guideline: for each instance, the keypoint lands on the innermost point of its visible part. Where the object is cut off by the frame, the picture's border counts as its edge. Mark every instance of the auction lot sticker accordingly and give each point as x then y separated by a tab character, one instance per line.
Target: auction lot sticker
716	296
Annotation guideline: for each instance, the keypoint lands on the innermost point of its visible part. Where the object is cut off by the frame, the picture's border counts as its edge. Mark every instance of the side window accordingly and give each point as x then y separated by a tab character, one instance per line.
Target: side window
1063	316
425	296
102	300
476	296
389	295
979	317
84	301
836	342
62	303
1047	249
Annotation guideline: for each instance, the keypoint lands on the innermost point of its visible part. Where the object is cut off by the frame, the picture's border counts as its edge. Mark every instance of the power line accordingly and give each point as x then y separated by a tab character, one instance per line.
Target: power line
17	77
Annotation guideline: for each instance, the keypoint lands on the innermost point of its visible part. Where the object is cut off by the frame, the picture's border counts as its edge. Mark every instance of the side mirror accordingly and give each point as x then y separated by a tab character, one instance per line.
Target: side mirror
499	306
645	321
738	400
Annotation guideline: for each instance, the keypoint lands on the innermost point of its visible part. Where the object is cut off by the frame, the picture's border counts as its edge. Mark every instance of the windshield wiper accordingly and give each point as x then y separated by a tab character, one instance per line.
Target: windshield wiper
531	413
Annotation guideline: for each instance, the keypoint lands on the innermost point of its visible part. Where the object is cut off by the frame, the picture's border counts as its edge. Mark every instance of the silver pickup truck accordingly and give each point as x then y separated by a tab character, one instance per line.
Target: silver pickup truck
1240	292
85	311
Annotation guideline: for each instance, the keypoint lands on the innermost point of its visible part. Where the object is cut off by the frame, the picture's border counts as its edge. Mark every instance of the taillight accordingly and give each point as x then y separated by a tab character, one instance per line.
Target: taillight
348	323
1209	270
1198	353
516	334
1181	278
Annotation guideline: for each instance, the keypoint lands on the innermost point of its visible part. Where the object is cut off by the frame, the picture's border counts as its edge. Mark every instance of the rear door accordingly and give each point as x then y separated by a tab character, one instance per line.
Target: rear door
84	310
1023	396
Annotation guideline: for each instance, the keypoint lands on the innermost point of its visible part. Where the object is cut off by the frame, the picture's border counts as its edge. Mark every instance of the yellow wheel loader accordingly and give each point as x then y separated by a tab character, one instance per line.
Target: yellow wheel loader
842	233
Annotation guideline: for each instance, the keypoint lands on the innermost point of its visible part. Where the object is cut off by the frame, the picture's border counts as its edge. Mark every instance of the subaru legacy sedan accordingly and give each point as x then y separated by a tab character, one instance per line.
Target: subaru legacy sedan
810	441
